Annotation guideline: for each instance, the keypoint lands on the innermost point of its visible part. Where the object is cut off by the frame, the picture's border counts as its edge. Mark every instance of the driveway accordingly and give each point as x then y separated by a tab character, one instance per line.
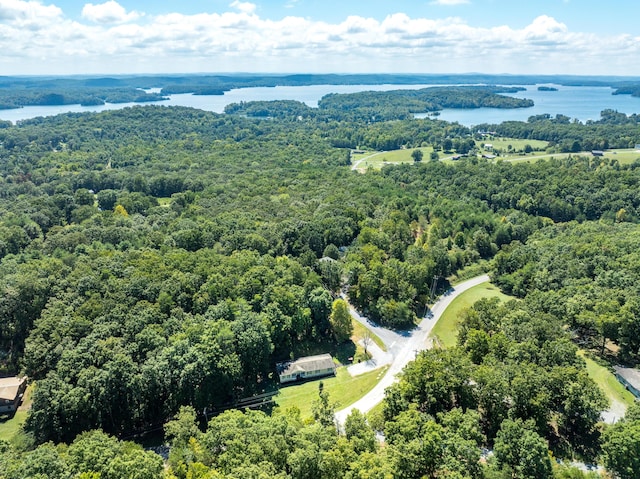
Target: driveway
403	347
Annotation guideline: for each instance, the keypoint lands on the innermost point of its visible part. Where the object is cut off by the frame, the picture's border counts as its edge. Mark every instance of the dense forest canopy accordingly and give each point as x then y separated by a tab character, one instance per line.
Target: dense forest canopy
157	261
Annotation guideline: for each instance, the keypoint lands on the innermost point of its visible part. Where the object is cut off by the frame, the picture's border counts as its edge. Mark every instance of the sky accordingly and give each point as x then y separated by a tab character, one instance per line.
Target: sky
581	37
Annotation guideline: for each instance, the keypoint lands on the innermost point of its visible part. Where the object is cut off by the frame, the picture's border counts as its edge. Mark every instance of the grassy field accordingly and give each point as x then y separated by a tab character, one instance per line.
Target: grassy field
446	329
377	160
516	145
604	378
342	389
624	157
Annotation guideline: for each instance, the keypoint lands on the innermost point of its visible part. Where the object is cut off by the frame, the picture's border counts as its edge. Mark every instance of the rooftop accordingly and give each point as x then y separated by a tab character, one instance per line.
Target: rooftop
307	363
631	375
9	387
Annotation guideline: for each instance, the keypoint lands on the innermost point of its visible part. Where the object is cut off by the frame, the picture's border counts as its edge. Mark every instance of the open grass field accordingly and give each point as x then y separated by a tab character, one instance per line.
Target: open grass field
445	332
604	378
516	145
342	389
377	160
624	157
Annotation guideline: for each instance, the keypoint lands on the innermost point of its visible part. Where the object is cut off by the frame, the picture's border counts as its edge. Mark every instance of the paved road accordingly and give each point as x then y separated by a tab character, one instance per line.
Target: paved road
405	347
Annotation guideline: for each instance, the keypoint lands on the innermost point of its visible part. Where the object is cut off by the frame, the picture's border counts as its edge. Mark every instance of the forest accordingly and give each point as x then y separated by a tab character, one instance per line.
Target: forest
157	261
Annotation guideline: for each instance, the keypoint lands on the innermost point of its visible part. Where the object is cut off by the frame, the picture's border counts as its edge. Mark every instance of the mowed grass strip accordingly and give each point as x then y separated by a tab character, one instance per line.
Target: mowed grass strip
359	332
608	383
445	332
343	390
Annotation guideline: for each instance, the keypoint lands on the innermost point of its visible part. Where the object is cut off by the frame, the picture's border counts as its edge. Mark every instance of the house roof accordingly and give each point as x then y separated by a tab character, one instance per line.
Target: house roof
631	375
306	364
10	387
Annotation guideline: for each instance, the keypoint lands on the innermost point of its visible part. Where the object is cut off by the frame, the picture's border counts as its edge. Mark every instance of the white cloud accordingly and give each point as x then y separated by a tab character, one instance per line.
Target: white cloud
449	2
40	39
108	12
18	10
245	7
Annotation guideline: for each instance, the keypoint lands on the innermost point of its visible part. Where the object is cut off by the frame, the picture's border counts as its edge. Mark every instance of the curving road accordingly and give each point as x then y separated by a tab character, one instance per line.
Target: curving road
404	347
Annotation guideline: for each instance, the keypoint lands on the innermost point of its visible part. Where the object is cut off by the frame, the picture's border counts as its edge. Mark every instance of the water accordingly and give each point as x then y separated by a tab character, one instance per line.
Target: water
582	103
308	94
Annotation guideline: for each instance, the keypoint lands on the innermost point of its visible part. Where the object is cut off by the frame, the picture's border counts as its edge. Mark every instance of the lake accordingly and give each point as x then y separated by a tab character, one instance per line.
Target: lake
216	103
583	103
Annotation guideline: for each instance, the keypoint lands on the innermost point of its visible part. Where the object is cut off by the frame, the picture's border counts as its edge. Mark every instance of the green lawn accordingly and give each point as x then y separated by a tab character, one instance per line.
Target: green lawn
342	389
378	159
608	383
446	329
624	157
516	145
8	428
358	333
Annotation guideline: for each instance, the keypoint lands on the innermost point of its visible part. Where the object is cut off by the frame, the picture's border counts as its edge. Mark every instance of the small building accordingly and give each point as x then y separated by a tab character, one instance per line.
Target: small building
306	368
11	391
597	152
630	379
488	146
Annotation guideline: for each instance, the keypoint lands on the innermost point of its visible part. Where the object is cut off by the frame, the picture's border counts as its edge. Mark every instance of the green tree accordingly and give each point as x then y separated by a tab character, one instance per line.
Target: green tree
323	410
521	451
417	155
621	449
359	432
340	320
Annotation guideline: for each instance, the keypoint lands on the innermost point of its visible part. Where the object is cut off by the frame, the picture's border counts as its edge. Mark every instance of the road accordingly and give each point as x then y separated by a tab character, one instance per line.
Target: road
404	347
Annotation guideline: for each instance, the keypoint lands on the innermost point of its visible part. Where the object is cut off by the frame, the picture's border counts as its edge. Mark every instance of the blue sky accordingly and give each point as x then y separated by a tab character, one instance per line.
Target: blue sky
283	36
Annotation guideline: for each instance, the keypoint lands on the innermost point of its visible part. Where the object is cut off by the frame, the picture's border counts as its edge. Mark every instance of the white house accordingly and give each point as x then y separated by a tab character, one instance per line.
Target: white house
306	368
630	378
11	391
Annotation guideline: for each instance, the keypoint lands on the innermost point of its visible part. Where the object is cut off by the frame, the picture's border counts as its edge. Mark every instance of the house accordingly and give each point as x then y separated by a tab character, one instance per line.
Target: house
597	152
306	368
488	146
630	379
11	391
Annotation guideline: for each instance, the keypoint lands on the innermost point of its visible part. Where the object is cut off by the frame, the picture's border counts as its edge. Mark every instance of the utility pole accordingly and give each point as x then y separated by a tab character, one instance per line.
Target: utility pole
434	284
